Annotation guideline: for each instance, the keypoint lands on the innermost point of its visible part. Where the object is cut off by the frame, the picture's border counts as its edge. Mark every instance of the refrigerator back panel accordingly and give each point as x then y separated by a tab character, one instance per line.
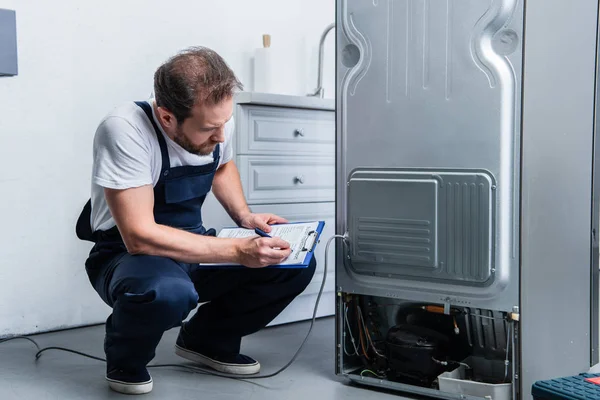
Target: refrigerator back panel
428	155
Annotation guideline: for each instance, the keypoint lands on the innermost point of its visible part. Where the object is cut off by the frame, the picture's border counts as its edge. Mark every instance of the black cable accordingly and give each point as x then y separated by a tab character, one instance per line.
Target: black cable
203	370
22	338
39	353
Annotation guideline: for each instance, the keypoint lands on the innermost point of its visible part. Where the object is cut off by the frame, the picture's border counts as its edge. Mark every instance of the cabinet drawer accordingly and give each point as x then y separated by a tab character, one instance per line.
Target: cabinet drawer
274	130
287	179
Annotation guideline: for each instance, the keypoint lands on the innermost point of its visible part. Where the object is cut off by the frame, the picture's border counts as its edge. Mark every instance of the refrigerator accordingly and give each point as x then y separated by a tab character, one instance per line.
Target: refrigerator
467	194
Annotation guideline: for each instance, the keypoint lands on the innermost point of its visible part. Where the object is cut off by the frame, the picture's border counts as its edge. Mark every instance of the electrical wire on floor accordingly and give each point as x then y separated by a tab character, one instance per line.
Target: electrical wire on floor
199	370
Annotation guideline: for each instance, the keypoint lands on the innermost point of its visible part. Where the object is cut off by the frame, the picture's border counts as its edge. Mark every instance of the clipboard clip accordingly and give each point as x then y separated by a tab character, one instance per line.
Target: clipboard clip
311	241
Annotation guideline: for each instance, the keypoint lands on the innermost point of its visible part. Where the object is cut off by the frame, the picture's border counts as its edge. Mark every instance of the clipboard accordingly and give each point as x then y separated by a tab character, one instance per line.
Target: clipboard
309	245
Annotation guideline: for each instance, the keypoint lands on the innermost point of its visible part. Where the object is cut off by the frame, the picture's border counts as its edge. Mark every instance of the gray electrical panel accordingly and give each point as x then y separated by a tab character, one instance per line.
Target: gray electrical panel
467	191
8	43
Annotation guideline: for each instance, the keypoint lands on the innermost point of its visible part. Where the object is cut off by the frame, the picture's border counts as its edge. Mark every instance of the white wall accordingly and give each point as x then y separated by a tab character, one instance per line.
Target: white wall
78	59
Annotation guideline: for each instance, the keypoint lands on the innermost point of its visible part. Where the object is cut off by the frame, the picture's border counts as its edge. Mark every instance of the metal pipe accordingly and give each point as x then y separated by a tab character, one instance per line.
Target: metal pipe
319	91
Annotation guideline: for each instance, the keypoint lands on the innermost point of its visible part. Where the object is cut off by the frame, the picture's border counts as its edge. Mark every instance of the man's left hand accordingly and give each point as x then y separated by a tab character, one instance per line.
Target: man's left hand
261	221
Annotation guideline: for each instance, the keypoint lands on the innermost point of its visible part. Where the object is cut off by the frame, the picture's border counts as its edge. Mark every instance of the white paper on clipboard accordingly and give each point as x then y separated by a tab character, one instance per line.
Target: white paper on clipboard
301	237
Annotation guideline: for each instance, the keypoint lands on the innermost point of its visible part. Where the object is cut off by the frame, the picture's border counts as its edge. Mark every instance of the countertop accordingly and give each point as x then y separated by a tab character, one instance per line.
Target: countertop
271	99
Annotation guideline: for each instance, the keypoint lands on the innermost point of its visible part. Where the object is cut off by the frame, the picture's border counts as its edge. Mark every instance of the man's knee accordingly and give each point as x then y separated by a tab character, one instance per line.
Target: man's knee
164	302
176	297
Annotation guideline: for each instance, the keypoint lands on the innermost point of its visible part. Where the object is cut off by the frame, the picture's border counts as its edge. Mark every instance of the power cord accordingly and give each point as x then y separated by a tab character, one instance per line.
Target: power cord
198	369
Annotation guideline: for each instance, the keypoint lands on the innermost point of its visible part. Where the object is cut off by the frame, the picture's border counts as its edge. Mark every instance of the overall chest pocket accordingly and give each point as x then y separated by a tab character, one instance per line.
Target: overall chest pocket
182	189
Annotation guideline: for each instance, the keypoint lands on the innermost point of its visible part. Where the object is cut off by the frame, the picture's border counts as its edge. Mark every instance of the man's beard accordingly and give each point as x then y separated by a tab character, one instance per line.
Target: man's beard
204	149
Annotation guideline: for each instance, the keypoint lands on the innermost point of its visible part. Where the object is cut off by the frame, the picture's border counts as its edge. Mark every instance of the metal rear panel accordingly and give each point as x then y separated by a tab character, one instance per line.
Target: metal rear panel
432	86
437	226
595	275
560	64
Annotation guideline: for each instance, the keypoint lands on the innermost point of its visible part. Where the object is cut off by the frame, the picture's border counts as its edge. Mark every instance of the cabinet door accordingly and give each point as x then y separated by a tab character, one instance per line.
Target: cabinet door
302	307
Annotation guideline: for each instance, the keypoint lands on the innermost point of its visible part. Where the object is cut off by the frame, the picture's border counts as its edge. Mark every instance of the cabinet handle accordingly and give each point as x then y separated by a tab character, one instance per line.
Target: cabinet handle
299	179
299	132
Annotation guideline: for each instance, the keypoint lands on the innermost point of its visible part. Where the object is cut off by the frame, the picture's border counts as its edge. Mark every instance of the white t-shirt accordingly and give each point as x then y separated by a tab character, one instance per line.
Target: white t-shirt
127	155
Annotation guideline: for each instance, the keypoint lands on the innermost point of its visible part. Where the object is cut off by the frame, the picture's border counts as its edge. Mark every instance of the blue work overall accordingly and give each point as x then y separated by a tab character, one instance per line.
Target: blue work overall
150	294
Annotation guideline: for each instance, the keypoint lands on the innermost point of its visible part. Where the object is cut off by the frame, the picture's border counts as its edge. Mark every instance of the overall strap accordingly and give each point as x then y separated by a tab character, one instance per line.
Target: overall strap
216	156
164	152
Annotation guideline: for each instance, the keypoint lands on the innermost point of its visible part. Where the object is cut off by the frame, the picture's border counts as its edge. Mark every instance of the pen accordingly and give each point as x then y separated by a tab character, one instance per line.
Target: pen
261	233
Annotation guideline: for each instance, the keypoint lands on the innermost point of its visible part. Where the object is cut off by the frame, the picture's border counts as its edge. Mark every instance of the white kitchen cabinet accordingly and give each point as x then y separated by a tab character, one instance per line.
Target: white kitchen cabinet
285	152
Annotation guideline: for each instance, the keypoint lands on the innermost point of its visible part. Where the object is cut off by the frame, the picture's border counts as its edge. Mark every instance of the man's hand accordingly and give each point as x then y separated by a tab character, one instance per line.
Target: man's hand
256	252
261	221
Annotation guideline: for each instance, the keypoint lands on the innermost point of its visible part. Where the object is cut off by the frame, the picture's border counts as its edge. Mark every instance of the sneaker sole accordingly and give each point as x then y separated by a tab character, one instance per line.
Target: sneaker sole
235	369
130	388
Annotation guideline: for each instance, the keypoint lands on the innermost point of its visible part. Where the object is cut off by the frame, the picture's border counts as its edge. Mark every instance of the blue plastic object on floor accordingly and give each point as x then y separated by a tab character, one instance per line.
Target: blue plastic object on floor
567	388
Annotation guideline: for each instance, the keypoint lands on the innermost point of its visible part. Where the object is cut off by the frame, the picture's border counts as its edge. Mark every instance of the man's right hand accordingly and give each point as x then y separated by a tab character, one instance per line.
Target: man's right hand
257	252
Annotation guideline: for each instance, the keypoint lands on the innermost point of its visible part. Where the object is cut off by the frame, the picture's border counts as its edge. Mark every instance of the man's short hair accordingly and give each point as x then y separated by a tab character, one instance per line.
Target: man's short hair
194	75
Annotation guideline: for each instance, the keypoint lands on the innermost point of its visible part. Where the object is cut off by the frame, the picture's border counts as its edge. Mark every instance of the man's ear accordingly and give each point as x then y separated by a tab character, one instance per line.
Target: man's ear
167	118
